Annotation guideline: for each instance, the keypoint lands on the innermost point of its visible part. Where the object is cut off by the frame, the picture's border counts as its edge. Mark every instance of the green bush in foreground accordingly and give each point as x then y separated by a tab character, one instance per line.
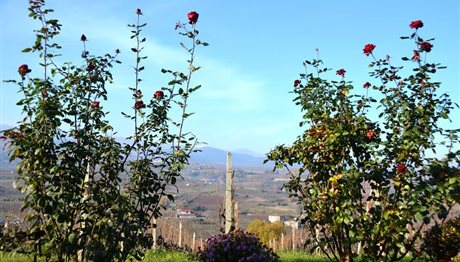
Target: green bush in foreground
365	175
70	164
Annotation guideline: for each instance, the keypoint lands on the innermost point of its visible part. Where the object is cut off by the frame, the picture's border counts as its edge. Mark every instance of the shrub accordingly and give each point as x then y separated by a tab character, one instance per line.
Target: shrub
70	165
265	230
442	241
364	172
236	246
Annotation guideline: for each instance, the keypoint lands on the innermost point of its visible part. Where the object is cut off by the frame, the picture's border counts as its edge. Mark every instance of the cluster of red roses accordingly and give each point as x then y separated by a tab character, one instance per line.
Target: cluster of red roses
139	104
367	50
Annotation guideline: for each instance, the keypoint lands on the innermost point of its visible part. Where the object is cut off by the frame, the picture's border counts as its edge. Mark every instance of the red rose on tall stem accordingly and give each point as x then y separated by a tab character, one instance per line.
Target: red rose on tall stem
341	72
416	24
401	168
159	94
193	17
425	46
139	104
138	11
24	70
296	83
368	49
367	85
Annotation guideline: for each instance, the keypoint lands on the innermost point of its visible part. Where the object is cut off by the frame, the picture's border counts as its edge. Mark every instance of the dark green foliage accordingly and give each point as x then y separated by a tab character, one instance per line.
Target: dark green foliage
70	165
364	179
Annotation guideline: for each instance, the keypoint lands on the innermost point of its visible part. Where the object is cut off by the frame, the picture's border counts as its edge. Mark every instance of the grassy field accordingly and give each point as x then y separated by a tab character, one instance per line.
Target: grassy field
175	256
179	256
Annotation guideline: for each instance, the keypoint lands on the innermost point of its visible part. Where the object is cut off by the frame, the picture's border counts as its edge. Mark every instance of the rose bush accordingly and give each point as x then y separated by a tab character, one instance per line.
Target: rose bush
368	186
70	165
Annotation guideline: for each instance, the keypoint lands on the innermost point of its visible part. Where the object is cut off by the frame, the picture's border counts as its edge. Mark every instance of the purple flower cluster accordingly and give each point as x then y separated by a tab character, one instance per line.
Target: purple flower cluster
236	246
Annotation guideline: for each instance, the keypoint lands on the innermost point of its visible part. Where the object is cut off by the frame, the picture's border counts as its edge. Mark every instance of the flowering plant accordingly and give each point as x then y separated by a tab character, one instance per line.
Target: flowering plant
367	185
236	246
70	164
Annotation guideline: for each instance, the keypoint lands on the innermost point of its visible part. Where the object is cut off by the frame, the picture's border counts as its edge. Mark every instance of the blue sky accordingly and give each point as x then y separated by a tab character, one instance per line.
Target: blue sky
256	51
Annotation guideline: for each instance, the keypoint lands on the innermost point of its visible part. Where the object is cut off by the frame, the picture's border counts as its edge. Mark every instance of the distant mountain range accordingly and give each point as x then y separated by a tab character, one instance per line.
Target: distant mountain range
215	156
207	156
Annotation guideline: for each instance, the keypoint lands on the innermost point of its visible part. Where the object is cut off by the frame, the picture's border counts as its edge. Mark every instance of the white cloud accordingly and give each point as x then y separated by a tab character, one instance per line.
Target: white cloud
227	85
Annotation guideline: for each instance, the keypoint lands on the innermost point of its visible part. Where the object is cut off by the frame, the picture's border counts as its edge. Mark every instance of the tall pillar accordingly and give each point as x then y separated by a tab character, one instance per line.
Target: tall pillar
229	214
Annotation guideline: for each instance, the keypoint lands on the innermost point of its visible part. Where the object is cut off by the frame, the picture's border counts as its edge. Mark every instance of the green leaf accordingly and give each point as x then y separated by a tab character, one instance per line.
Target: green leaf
26	50
170	197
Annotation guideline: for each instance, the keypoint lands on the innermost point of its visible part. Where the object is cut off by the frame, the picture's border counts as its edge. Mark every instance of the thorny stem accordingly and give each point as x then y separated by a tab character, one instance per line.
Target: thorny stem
137	77
185	95
45	49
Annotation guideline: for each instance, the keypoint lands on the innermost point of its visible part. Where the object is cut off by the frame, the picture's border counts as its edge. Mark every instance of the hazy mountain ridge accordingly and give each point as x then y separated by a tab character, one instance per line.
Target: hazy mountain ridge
207	156
215	156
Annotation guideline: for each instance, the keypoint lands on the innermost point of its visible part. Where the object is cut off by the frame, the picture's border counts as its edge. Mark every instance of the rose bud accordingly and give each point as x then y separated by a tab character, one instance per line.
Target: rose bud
416	24
91	66
138	11
416	56
193	17
401	168
83	38
95	104
296	83
425	46
367	85
159	94
24	70
368	49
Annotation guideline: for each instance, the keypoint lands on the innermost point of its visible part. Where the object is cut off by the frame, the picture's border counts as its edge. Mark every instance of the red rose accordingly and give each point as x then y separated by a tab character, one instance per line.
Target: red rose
367	85
425	46
24	70
416	24
83	38
368	49
139	104
341	72
95	104
296	83
401	168
138	11
193	17
370	134
159	94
